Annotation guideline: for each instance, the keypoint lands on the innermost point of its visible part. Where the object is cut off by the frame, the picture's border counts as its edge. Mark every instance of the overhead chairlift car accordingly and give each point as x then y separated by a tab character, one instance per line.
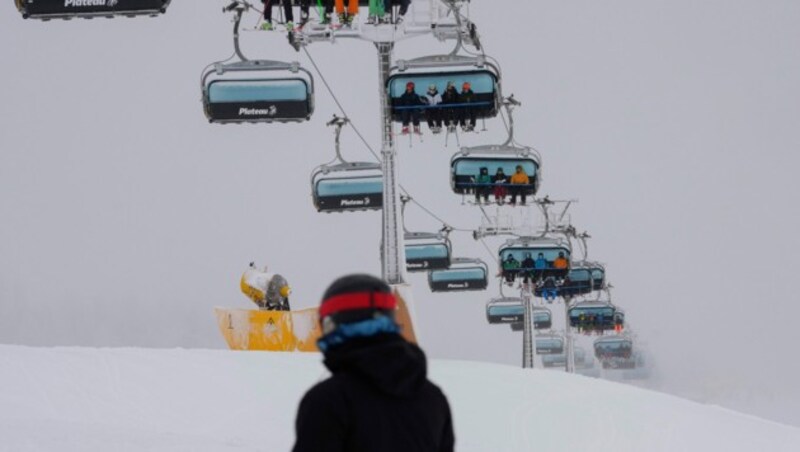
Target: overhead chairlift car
427	251
542	320
343	186
550	250
554	360
88	9
256	91
549	344
598	277
609	347
463	275
592	315
467	164
505	310
577	282
441	70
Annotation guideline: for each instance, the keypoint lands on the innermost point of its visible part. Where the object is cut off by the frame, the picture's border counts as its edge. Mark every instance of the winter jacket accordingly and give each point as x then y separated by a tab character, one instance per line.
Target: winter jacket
528	263
410	99
520	178
432	99
450	96
484	179
560	263
510	264
466	96
377	400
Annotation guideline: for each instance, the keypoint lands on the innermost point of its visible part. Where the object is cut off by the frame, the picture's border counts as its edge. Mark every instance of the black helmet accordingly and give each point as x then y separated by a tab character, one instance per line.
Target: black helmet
354	298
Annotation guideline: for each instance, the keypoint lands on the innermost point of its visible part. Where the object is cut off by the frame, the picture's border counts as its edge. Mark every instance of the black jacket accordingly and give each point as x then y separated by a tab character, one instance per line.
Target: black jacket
377	400
450	96
410	99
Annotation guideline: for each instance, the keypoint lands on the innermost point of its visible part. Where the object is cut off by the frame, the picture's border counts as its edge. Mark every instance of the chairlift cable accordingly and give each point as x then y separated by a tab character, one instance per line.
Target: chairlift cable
366	143
339	104
491	253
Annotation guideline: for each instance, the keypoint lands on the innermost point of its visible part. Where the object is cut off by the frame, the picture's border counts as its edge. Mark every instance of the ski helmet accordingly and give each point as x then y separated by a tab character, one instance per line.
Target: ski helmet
355	298
466	86
410	85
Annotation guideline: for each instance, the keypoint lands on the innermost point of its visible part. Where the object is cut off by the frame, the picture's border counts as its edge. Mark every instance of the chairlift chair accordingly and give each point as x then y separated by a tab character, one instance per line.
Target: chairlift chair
342	186
347	187
68	9
542	320
550	248
427	251
465	166
505	310
598	277
439	70
592	315
610	347
463	275
583	278
554	360
549	344
253	91
256	91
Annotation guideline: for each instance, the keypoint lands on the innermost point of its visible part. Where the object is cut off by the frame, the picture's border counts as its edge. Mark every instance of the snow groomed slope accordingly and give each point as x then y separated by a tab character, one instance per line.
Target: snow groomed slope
82	399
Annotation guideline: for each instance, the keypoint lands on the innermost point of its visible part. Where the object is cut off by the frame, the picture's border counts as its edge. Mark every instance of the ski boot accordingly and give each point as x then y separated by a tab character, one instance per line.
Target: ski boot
303	18
326	19
405	130
267	26
417	130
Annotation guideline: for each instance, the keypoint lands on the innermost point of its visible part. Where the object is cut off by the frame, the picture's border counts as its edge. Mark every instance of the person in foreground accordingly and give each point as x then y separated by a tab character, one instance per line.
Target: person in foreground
379	398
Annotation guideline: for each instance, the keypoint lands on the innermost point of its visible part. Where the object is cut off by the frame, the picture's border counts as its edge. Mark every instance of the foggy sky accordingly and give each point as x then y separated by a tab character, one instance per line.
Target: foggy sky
125	217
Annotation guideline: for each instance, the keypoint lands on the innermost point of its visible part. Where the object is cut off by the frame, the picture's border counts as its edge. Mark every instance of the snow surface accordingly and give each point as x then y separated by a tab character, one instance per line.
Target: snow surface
86	399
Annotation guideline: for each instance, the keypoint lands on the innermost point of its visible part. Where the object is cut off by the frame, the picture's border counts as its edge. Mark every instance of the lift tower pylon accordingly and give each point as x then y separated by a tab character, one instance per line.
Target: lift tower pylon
393	252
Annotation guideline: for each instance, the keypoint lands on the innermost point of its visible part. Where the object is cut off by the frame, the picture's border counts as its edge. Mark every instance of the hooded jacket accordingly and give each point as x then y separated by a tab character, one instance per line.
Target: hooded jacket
378	399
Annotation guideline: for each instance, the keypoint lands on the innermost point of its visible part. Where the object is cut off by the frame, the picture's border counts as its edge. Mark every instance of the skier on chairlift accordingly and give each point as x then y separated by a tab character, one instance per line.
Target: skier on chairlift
527	268
287	10
433	111
549	289
483	185
519	182
410	114
467	117
449	115
510	269
561	261
305	6
346	17
500	190
541	262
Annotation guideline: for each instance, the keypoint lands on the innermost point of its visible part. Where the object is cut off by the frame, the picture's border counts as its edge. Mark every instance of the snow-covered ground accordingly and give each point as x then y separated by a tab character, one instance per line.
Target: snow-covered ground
85	399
